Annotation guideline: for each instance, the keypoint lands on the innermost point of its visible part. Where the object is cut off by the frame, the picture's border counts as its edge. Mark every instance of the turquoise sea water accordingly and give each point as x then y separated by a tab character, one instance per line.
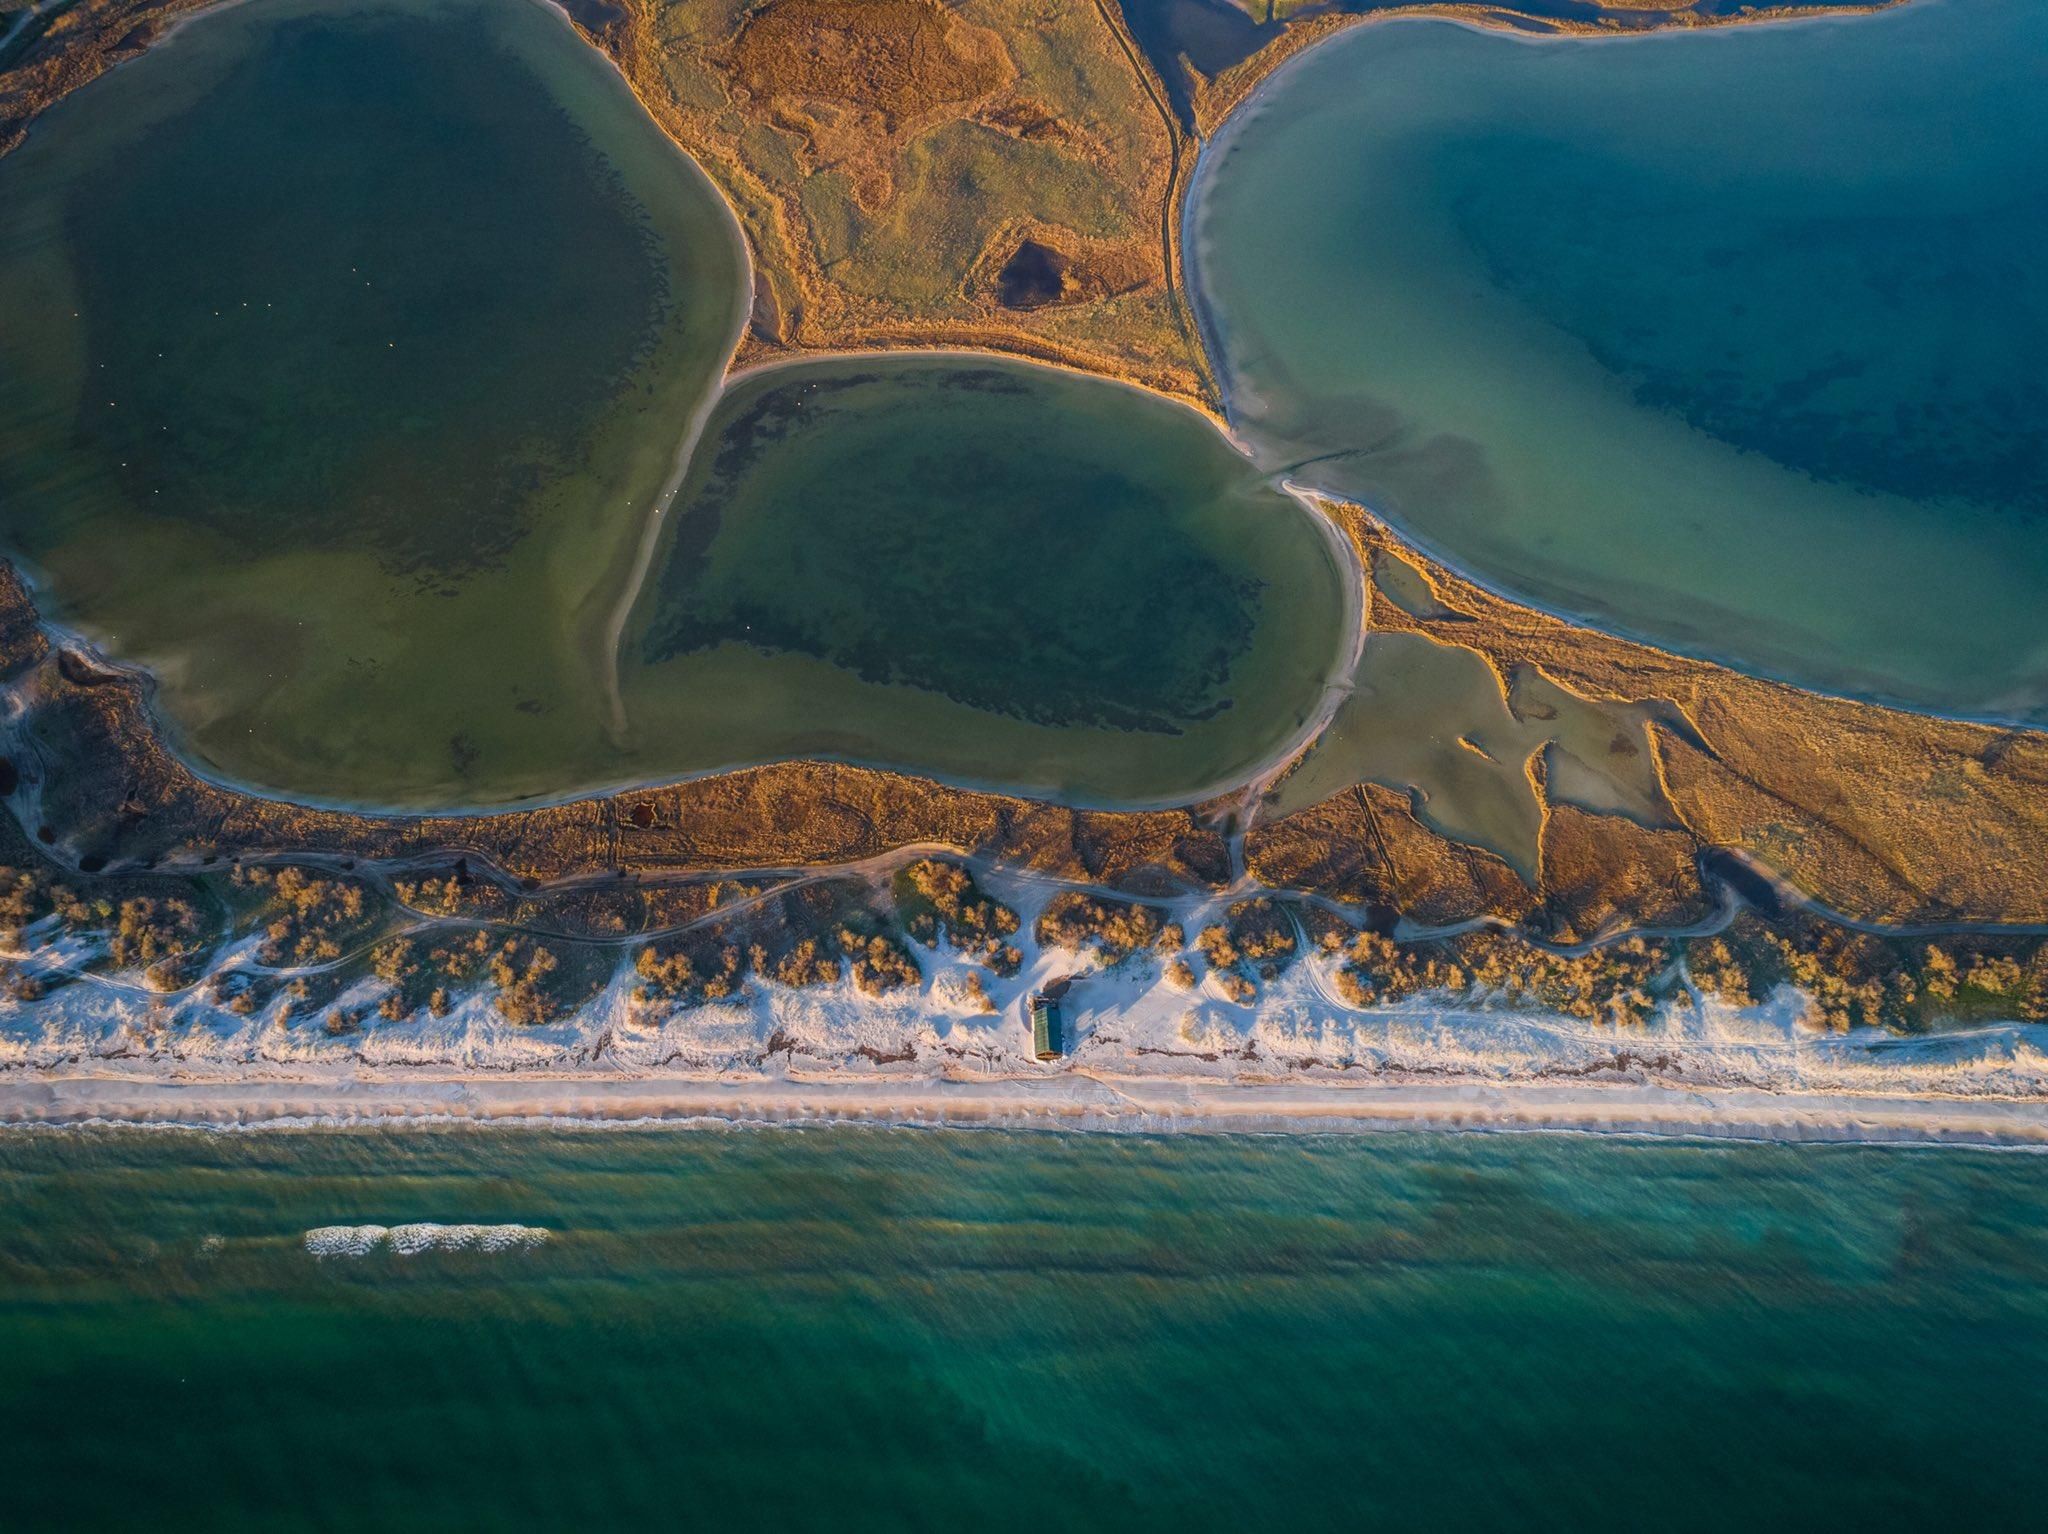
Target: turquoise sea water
1728	339
890	1329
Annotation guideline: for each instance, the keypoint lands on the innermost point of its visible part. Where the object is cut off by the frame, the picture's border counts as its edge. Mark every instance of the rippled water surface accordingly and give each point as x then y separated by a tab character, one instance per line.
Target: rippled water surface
889	1329
1728	339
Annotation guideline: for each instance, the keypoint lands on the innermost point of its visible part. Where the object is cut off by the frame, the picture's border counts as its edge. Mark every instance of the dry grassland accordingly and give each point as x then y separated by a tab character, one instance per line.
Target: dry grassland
1877	813
891	160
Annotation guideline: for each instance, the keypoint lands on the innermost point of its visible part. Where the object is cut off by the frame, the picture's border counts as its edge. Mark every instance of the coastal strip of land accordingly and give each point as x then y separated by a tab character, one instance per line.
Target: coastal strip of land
1882	867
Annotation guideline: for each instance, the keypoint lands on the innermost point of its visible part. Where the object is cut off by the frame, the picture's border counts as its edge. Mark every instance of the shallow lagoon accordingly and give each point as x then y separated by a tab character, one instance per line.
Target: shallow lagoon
349	430
995	571
1431	719
1728	340
343	346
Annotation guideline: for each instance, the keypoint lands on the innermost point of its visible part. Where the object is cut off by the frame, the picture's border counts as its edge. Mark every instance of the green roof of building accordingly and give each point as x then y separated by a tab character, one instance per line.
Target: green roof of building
1045	1028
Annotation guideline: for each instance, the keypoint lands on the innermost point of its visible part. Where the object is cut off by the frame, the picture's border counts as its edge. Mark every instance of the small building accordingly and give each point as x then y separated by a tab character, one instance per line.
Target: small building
1045	1027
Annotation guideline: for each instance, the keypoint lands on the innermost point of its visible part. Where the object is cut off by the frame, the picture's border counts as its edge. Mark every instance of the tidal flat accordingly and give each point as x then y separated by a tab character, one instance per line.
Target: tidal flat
1727	340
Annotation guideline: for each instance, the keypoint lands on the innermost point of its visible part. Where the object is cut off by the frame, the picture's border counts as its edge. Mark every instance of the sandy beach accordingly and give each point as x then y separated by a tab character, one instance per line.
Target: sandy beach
1070	1102
1142	1054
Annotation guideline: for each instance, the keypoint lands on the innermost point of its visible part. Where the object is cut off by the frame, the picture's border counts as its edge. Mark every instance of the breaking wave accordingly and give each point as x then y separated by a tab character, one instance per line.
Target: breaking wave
411	1240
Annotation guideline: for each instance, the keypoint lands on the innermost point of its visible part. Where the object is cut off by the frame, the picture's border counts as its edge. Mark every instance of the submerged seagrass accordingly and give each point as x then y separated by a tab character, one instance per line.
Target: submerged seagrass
349	429
345	345
1091	571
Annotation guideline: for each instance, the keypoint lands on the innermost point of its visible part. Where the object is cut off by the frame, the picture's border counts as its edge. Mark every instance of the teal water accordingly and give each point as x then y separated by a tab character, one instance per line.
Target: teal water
1730	340
1182	38
876	1329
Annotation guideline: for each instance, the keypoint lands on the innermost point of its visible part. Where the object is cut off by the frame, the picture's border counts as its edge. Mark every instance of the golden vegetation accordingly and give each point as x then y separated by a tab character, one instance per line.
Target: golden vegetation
156	927
120	794
305	918
1855	979
520	970
1877	813
889	159
1113	929
1618	984
806	936
80	42
1256	941
934	897
990	173
880	962
162	938
707	968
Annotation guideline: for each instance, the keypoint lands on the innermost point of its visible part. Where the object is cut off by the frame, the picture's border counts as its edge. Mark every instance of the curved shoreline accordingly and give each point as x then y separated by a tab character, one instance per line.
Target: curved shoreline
1085	1100
615	623
1217	145
470	828
618	617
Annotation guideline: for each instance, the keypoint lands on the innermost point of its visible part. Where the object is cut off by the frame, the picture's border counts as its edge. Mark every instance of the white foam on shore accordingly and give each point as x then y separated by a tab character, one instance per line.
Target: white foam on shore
411	1240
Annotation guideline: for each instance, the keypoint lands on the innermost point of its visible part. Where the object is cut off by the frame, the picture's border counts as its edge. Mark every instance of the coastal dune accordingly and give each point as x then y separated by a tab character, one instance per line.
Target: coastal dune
1142	1055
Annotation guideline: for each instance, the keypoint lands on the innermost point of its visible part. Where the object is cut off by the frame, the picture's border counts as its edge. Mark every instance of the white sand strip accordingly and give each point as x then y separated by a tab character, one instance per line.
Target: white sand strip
1066	1102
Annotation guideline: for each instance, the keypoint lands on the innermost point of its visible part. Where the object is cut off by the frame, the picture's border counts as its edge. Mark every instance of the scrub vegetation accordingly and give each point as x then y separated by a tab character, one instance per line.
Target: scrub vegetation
995	172
1113	930
936	898
167	934
1256	942
69	45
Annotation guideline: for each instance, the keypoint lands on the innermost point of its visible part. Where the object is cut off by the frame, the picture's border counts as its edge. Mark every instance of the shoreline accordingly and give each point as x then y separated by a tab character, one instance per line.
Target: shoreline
1142	1052
1261	773
644	545
619	613
1243	108
1091	1104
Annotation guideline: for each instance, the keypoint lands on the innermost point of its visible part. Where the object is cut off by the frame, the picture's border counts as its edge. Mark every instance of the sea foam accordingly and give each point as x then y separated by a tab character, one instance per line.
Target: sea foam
411	1240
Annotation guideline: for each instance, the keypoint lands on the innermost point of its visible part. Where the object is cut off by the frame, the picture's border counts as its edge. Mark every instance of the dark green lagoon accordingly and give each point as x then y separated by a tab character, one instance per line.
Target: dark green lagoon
870	1329
991	570
343	346
347	348
1730	340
